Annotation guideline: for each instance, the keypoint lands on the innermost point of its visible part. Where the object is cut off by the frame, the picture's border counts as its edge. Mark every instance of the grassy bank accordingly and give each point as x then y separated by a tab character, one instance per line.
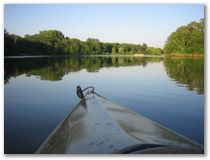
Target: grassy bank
184	55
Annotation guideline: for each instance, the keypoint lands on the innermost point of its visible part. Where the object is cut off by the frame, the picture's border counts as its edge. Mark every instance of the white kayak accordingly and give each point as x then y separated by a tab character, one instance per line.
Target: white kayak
99	126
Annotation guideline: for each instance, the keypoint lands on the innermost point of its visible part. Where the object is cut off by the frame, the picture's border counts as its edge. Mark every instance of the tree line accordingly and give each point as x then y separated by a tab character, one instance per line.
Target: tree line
187	39
53	42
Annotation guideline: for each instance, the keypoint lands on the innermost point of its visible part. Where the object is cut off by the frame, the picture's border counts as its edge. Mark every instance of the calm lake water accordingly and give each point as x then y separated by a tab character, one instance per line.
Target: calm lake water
40	92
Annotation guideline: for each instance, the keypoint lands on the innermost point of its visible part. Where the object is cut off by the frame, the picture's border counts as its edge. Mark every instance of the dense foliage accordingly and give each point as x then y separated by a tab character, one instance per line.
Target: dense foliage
187	39
53	42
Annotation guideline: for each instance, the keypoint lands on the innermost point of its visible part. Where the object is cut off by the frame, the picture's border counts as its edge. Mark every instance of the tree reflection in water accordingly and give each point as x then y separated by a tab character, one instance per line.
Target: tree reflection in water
54	68
189	71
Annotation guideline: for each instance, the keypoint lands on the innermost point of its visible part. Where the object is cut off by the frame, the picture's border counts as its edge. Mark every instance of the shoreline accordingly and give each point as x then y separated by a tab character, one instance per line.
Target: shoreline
126	55
42	56
184	55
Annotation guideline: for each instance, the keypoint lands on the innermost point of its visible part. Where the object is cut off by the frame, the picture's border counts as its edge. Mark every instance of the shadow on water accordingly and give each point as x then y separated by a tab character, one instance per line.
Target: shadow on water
189	71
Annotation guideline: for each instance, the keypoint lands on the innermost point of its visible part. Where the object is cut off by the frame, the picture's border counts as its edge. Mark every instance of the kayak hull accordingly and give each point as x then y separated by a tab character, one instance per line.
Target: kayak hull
98	126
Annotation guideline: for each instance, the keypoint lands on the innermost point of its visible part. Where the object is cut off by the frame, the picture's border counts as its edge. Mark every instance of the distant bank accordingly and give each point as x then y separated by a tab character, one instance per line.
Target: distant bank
118	55
183	55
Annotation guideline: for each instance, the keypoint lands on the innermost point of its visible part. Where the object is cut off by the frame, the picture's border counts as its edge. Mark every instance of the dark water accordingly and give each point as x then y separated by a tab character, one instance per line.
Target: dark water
40	92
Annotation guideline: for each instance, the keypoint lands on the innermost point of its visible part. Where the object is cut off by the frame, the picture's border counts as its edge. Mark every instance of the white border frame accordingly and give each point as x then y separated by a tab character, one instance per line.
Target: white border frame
87	157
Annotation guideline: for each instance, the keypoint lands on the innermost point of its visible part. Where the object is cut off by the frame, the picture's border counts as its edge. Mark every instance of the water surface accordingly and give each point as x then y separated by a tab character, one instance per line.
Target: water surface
40	92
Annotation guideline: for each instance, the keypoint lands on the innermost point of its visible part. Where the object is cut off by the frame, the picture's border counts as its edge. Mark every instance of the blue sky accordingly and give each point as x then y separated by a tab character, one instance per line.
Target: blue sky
129	23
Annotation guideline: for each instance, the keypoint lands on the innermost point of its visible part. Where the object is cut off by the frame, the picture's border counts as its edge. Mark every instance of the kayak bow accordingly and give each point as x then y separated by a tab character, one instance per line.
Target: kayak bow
98	126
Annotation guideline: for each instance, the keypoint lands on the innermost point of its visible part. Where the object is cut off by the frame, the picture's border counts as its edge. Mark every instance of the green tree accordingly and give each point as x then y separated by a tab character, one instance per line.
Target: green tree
120	50
53	42
74	46
113	50
186	39
154	51
144	49
94	46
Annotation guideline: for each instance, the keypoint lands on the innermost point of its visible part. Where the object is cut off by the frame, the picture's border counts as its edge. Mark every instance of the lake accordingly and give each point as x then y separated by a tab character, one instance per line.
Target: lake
39	92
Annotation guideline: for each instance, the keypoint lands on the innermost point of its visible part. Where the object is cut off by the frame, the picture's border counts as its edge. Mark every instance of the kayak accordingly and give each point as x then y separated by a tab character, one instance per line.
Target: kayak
98	126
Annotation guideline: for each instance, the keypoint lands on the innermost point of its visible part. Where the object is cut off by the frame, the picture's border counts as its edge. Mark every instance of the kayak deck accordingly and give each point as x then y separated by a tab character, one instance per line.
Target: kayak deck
99	126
